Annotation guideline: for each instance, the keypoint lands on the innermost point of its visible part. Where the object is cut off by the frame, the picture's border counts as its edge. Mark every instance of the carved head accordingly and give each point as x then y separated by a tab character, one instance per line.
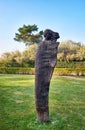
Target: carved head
50	35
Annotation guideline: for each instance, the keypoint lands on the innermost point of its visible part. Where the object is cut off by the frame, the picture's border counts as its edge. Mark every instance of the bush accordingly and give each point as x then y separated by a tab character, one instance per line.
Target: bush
69	71
30	71
16	70
71	64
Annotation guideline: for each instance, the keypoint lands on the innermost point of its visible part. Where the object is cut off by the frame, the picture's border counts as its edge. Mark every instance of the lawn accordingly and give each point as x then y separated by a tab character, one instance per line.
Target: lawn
66	102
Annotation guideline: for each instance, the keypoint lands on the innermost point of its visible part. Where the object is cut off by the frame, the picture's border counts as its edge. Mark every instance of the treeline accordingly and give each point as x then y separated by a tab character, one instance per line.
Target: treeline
70	54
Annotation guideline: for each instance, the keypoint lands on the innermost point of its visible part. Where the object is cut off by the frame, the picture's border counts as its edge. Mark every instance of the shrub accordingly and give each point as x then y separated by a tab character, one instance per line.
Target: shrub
69	71
16	70
71	64
30	71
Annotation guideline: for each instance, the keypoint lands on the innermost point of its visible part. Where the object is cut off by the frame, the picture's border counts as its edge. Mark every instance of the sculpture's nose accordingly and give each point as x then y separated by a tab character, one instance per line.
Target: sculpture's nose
56	35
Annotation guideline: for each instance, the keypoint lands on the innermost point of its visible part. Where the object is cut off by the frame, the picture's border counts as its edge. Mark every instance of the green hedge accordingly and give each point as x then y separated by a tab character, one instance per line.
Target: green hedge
30	71
60	64
16	70
69	71
71	64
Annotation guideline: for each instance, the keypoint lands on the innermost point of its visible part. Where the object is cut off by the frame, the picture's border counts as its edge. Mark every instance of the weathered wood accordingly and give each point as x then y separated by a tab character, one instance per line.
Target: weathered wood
46	59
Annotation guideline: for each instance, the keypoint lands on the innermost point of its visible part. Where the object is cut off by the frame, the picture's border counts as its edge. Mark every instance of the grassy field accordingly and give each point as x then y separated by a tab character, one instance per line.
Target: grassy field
66	102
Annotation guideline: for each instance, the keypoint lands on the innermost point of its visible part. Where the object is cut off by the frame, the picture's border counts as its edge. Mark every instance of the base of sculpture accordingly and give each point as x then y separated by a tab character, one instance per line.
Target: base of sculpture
43	116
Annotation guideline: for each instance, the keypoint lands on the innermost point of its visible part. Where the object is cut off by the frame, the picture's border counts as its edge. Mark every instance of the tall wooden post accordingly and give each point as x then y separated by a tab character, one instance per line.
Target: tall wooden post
46	59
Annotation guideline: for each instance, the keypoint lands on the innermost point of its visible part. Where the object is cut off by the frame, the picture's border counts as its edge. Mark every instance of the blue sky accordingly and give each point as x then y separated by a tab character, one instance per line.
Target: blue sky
64	16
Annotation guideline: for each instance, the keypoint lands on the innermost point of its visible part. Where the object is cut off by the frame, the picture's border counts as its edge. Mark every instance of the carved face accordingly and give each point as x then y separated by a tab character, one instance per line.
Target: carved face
50	35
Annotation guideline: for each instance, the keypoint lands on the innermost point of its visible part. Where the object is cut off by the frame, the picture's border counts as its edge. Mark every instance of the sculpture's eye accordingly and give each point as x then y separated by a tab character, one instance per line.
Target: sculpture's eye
48	36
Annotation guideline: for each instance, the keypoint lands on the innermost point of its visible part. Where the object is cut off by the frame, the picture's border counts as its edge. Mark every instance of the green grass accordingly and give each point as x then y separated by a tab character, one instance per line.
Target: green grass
66	102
